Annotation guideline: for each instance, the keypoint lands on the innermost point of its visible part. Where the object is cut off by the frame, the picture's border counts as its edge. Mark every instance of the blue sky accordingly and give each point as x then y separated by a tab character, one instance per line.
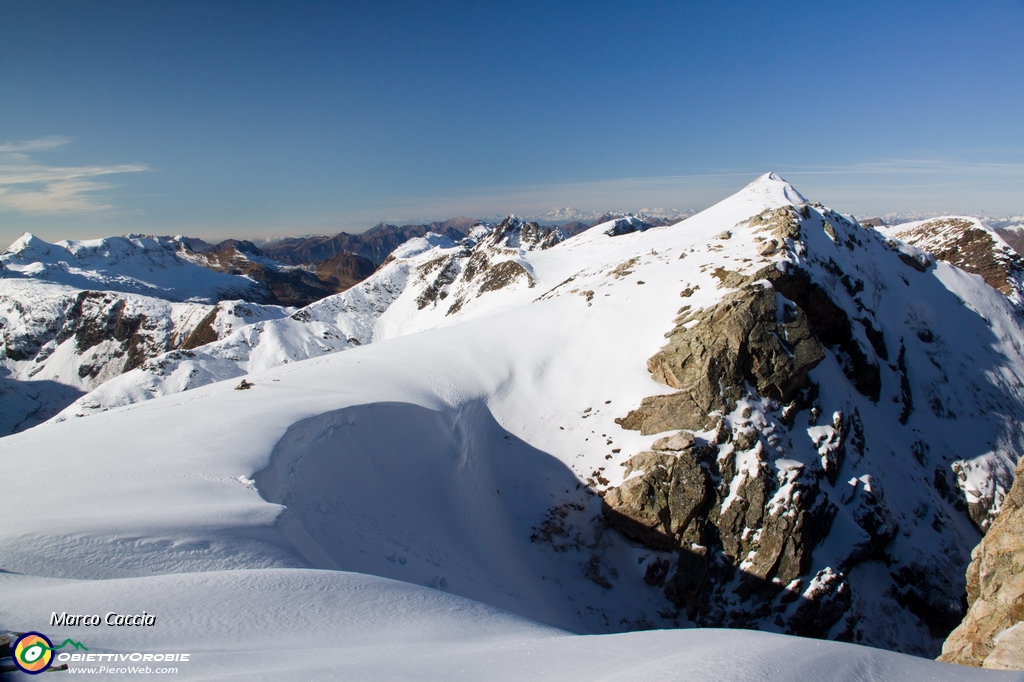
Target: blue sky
223	119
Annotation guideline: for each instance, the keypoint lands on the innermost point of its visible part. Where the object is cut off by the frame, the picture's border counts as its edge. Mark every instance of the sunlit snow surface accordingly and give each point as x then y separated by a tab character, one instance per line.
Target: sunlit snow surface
287	624
429	456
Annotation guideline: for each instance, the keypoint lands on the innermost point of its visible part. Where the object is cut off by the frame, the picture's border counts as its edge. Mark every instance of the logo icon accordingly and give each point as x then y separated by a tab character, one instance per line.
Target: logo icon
33	653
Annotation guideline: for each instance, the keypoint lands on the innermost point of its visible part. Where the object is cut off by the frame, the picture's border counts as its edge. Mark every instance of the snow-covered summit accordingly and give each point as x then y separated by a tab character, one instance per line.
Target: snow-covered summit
764	192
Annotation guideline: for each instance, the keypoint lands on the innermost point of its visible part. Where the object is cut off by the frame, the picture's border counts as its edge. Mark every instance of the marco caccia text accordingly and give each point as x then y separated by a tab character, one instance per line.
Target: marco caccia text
116	619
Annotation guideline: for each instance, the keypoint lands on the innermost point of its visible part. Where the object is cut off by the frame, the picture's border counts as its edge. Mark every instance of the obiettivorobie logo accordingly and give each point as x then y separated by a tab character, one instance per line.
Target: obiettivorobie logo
33	652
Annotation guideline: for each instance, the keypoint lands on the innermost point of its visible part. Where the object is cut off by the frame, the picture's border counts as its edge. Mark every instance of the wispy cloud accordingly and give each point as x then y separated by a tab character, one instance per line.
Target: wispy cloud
36	145
30	186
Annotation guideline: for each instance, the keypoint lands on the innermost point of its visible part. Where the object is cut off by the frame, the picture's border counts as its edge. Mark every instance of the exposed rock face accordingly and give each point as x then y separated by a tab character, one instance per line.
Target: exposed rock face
747	338
992	633
660	508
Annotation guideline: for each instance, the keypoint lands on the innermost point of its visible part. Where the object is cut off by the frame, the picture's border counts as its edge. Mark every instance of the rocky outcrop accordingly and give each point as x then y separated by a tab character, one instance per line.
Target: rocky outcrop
742	531
625	225
767	335
739	522
514	233
992	633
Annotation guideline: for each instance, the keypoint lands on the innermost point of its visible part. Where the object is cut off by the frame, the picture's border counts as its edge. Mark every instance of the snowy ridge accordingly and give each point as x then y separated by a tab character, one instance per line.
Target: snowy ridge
513	397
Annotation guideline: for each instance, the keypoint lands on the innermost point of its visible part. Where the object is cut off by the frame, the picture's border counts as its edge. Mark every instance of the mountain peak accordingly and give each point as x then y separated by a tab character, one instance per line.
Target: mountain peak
28	242
766	192
774	184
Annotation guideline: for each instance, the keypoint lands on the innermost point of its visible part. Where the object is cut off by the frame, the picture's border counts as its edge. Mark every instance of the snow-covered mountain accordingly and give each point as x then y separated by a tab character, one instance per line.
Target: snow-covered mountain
556	216
147	266
765	416
58	342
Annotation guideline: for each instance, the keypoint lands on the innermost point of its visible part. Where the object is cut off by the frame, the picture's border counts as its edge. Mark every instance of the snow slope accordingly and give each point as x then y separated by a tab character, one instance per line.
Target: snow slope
451	452
170	531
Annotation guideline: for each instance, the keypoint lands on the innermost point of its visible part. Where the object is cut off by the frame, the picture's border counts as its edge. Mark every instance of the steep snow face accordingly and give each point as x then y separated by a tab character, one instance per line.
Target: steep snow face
970	245
134	264
517	399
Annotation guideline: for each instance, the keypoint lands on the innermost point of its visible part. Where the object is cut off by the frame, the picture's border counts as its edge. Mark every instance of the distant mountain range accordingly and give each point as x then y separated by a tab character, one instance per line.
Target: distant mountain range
654	216
376	243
